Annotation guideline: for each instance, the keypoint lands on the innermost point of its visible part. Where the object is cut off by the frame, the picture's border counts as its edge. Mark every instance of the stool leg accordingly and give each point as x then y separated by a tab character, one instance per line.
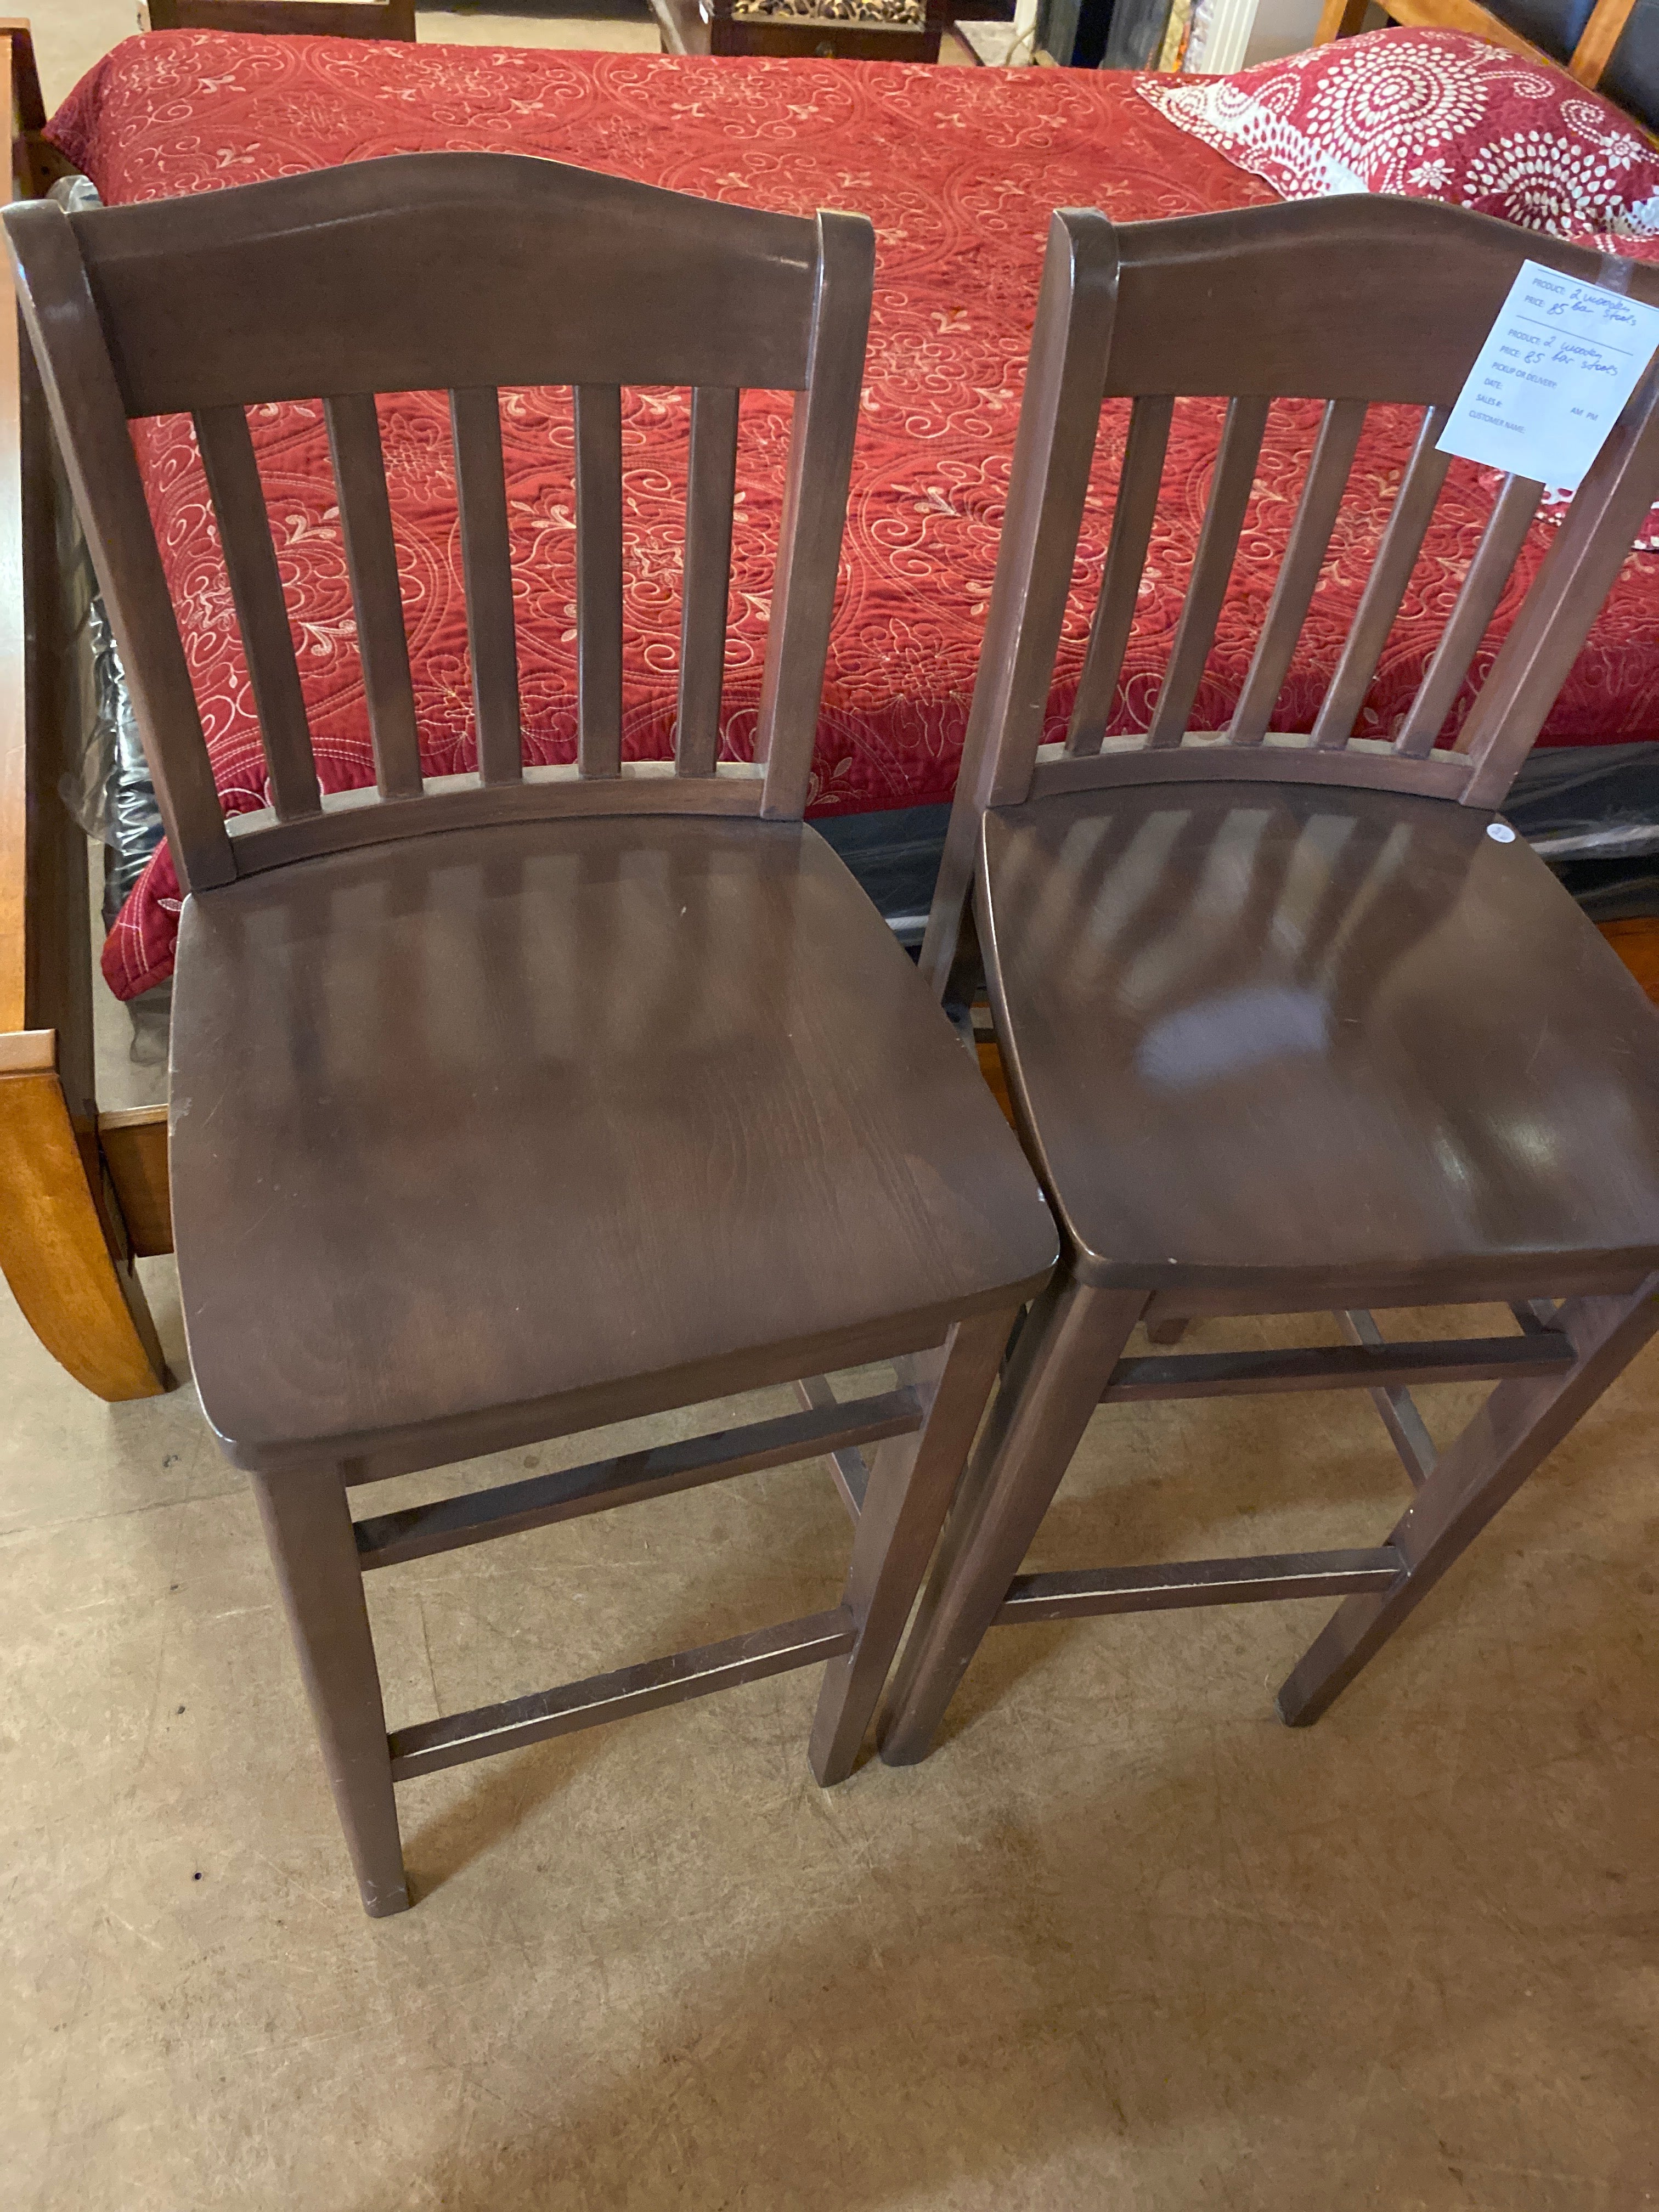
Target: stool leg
308	1527
1068	1346
911	1484
1519	1425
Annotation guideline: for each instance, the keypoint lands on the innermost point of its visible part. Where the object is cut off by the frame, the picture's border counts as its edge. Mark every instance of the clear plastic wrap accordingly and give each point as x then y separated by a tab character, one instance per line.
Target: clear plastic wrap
110	793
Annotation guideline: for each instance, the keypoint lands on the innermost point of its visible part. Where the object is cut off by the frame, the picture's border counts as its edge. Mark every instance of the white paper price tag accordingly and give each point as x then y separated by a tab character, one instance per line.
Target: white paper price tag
1550	382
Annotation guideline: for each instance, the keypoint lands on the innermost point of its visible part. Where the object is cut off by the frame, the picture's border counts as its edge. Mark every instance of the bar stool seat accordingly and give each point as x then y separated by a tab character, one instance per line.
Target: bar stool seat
1255	1029
470	1129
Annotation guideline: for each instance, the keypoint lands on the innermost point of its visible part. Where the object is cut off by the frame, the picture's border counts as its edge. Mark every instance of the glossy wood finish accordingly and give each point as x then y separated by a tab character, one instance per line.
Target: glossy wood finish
337	19
1636	944
66	1258
1354	301
1264	1030
1289	1024
524	1100
766	1137
632	285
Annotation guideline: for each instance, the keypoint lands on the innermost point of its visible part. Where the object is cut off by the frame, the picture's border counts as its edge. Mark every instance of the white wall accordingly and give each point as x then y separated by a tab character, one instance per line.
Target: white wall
1281	26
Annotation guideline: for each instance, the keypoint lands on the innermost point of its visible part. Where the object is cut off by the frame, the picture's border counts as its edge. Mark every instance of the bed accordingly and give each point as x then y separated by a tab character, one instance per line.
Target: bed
960	169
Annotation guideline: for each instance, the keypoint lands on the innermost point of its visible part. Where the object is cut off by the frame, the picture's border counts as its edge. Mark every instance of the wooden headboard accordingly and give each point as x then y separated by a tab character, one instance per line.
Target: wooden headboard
1613	45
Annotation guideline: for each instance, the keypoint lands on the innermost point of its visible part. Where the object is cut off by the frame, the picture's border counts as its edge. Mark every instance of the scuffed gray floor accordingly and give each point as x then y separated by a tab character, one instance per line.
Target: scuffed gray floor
1124	1941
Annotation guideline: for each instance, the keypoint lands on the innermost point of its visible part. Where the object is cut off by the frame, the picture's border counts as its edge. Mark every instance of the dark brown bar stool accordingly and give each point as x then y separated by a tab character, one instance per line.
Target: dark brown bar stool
1289	1023
510	1103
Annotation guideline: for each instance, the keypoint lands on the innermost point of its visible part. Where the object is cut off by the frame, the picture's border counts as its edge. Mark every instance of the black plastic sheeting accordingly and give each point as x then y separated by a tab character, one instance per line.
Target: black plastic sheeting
1591	812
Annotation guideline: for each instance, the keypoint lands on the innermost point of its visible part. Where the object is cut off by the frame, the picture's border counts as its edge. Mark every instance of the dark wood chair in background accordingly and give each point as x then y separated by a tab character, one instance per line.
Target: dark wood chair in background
837	30
520	1101
333	19
1291	1024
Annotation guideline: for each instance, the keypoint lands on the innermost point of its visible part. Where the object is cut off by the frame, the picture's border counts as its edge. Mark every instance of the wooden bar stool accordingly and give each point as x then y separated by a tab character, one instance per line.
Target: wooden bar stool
509	1103
1290	1023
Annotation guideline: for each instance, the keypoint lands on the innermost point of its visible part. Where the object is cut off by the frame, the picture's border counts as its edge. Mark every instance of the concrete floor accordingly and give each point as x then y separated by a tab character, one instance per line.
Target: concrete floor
1124	1941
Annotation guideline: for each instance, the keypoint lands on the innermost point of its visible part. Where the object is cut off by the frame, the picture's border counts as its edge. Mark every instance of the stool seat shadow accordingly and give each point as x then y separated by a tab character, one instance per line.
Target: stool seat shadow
1292	1023
520	1101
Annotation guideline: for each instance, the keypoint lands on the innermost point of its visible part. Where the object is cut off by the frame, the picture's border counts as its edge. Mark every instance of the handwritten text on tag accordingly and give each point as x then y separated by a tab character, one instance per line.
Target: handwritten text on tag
1551	378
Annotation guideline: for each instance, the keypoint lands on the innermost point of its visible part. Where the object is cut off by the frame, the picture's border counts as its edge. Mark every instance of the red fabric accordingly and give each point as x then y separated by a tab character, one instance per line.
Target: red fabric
959	169
1433	114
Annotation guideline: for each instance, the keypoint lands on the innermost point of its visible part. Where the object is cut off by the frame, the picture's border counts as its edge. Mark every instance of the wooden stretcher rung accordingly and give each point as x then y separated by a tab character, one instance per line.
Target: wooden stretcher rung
1197	1582
850	1467
431	1745
1407	1431
1338	1367
476	1516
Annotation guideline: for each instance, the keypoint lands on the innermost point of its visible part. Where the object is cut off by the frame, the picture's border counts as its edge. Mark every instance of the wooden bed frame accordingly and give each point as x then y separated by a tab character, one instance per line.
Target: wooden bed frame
83	1195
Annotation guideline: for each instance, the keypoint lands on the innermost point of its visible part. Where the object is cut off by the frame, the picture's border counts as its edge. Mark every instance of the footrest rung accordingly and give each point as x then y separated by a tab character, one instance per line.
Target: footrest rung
1339	1367
1199	1581
430	1745
477	1515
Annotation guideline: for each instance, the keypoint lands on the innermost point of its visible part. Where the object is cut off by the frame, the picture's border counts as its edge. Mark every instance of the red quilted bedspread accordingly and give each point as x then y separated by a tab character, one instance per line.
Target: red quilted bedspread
959	169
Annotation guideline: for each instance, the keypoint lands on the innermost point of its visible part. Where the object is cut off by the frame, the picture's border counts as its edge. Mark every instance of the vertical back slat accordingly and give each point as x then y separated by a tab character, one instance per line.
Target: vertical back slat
599	578
1304	556
1133	515
475	419
711	486
1471	614
353	442
1566	596
1385	587
91	423
1218	548
814	514
256	585
1054	450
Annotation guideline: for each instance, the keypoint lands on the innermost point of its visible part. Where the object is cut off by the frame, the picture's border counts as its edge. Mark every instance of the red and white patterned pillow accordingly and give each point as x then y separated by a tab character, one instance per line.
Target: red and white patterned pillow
1433	114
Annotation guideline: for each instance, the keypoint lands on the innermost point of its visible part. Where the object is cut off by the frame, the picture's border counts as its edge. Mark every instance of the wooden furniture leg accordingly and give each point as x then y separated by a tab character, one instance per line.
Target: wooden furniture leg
68	1265
1339	19
313	1550
1519	1426
910	1485
1068	1346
